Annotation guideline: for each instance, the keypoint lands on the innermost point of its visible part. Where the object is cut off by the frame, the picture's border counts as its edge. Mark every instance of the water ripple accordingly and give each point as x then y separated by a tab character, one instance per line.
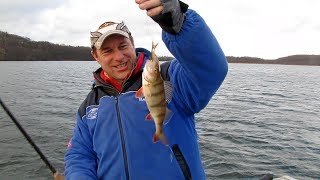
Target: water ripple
263	119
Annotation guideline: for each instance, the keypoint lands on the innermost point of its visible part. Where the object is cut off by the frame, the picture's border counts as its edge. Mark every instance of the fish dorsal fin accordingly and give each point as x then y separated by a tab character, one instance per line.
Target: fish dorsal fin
153	52
168	116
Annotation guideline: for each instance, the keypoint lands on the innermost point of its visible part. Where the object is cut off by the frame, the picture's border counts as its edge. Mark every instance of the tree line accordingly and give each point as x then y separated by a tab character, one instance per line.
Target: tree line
311	60
17	48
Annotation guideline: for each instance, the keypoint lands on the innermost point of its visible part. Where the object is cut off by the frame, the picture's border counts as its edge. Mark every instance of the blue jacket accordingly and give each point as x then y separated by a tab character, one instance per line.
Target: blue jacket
112	140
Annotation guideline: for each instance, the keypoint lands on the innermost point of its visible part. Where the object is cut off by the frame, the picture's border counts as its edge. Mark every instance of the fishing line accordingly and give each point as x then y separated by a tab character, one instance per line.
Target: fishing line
25	134
147	30
150	31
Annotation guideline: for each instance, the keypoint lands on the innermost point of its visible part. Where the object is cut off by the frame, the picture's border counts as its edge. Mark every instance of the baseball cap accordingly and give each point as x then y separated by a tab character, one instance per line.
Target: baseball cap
106	29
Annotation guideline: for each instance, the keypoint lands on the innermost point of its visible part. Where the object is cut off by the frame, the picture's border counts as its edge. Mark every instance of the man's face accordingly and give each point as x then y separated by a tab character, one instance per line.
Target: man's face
116	57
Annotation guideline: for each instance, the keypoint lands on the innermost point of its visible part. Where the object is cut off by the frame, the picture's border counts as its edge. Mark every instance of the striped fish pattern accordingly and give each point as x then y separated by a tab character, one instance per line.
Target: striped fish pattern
153	91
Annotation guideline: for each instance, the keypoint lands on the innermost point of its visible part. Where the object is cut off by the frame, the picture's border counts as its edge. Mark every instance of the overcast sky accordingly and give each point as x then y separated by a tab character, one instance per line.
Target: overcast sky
259	28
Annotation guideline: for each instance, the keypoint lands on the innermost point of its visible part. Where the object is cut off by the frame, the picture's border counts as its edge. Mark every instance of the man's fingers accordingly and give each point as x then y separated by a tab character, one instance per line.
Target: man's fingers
154	11
148	4
140	1
153	7
58	176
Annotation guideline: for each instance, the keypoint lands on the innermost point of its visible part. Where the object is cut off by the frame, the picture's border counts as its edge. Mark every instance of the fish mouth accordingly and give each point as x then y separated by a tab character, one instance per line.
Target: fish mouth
148	78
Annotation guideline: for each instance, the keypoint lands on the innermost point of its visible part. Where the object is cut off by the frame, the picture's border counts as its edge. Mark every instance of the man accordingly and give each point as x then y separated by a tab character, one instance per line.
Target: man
111	139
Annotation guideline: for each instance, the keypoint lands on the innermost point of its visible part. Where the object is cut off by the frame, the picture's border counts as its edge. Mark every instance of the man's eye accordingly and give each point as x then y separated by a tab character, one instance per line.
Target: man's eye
107	51
123	46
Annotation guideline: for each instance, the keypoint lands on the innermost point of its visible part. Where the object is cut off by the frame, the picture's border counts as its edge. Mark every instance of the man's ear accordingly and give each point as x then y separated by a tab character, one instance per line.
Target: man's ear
94	55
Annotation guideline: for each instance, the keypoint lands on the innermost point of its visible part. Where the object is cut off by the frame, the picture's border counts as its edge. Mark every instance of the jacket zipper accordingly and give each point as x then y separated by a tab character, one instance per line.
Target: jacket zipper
124	152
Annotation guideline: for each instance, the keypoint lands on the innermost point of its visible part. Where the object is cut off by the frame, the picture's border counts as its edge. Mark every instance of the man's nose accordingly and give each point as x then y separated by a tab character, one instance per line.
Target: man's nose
118	55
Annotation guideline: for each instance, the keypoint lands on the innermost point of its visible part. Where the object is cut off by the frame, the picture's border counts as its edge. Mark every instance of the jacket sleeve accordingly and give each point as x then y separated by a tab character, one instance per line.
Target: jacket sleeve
80	159
200	65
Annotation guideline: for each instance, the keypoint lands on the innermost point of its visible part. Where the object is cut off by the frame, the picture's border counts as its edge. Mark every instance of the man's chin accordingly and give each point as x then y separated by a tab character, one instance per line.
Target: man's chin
121	78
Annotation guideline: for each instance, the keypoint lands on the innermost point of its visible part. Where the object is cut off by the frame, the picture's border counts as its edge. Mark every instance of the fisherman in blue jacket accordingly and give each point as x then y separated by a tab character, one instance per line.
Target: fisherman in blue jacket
111	139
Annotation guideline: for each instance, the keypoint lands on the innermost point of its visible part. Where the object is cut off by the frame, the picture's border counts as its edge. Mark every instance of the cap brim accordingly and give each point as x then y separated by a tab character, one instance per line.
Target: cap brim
101	39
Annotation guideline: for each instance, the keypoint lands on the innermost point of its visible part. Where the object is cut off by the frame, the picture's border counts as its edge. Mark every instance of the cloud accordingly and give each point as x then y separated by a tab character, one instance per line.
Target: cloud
266	28
13	12
71	22
20	17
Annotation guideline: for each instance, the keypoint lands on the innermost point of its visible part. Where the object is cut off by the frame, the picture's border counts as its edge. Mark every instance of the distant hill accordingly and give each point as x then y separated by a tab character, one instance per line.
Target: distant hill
17	48
310	60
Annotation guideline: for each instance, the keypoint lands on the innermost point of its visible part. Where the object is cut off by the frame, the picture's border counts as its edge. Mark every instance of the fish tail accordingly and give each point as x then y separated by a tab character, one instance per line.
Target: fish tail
159	135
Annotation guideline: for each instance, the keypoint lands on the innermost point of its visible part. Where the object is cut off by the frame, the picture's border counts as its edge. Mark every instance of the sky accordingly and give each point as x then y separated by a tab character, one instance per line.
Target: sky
266	29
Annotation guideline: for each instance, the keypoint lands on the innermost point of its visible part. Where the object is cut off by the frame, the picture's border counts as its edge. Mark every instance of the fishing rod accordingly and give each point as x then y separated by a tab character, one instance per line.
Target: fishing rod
25	134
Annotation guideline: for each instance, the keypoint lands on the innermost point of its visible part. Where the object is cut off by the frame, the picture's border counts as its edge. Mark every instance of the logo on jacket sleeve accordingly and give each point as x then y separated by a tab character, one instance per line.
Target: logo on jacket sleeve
92	113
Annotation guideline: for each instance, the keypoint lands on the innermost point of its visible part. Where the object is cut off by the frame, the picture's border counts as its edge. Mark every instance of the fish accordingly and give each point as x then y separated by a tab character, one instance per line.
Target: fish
154	93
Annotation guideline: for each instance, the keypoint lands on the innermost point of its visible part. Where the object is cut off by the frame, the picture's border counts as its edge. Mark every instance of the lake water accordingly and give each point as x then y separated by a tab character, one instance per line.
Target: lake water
264	119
